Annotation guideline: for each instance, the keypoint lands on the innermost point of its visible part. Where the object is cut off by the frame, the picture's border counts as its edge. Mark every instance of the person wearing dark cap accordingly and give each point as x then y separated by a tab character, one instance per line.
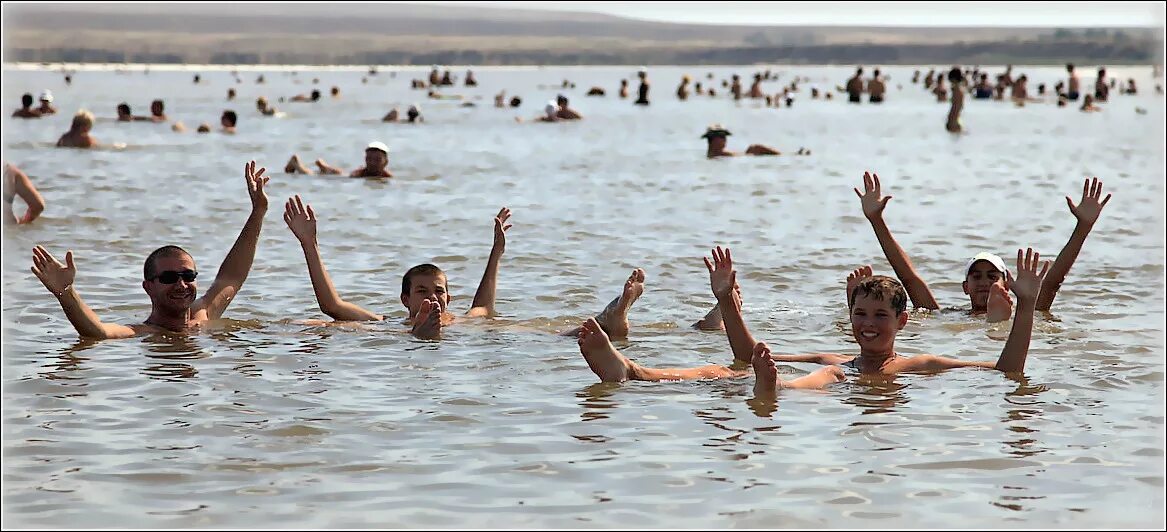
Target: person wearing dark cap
565	112
715	137
376	164
26	110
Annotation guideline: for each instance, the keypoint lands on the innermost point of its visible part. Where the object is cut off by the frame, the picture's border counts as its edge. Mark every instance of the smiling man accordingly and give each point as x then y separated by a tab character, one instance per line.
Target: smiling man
169	278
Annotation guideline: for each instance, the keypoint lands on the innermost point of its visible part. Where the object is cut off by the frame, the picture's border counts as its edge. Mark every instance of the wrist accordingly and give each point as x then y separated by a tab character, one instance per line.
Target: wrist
61	293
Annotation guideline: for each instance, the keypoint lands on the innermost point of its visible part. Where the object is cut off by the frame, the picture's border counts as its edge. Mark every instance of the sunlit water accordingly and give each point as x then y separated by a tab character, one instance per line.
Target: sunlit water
263	421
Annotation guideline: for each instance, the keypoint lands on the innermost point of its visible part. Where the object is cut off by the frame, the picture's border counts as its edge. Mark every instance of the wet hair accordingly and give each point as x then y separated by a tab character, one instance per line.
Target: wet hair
561	99
124	109
231	117
516	101
883	288
315	94
955	75
26	100
149	269
420	269
858	70
876	73
82	118
161	106
412	114
335	90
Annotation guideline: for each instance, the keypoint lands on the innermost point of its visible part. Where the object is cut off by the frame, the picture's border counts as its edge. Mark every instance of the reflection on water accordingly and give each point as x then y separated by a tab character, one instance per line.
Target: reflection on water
265	419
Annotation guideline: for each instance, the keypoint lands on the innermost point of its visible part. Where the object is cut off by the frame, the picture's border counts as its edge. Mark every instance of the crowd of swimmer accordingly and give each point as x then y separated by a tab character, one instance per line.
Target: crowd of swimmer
877	304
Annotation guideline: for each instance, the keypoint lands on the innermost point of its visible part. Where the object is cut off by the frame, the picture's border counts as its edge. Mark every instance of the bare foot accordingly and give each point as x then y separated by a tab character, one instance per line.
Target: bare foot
765	373
614	317
295	166
1000	304
606	362
712	321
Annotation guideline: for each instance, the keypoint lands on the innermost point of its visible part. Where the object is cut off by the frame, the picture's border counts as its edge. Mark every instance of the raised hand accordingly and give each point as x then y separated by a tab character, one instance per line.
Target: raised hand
722	277
873	202
1028	282
55	276
1089	207
500	227
255	183
428	321
857	275
300	219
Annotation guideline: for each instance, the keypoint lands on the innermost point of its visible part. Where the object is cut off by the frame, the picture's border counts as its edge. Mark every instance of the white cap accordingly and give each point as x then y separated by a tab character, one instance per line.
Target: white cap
378	145
550	108
988	257
47	96
643	69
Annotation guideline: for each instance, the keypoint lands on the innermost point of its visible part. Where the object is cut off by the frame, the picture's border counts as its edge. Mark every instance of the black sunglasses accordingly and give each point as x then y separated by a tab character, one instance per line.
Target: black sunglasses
171	276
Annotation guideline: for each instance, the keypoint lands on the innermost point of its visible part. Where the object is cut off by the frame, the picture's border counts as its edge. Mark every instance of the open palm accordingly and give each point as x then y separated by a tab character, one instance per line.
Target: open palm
300	219
55	276
1089	208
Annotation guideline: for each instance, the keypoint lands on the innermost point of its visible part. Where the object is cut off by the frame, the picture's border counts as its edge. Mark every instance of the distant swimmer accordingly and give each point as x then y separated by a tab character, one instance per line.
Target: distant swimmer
940	90
470	81
683	89
983	90
735	87
168	278
26	110
157	112
447	79
642	91
376	164
262	105
424	288
259	79
228	120
46	107
875	88
203	128
413	115
313	97
623	88
500	99
1101	90
595	91
516	102
916	77
953	124
391	116
16	183
435	76
1072	85
565	112
756	86
78	135
716	136
854	88
197	79
1088	104
334	92
1130	87
230	94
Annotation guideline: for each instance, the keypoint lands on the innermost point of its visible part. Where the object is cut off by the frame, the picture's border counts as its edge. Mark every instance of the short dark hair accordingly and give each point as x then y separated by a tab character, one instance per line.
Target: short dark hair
1069	67
159	102
124	107
231	117
881	287
26	100
149	269
420	269
955	75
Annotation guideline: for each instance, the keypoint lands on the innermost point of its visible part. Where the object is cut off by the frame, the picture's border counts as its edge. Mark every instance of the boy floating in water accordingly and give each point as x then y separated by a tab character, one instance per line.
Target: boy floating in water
376	164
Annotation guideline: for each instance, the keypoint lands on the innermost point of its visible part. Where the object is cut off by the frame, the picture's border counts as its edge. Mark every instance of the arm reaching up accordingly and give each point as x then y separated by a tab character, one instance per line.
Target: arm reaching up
1027	286
483	304
58	279
873	205
237	263
302	221
723	282
1087	212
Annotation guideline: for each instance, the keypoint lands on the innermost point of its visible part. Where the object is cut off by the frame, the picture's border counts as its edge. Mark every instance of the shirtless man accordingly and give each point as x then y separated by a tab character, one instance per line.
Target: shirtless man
1101	90
735	87
756	86
314	97
682	90
46	107
26	110
715	137
623	89
376	164
424	290
875	88
16	183
78	135
642	90
986	279
169	279
564	112
854	87
262	105
878	311
952	124
1072	84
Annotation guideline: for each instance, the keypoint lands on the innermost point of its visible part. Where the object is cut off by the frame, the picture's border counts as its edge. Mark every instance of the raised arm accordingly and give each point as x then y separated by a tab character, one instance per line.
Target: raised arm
1087	212
23	187
873	205
483	304
723	282
237	263
302	221
58	279
1027	286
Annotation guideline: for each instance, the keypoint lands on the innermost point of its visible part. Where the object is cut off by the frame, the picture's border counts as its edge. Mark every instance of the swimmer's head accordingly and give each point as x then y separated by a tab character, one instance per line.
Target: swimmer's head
413	113
422	282
82	121
878	310
516	101
228	119
550	109
157	107
315	94
204	128
955	75
980	273
167	279
561	100
124	111
376	156
26	100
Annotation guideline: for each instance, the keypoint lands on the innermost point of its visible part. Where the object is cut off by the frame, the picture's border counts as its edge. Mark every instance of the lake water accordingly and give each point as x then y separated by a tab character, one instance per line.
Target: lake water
265	422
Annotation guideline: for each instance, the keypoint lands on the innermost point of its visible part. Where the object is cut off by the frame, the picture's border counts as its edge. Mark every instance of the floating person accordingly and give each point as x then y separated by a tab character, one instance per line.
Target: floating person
642	91
203	128
313	97
854	88
1131	89
169	278
516	101
228	121
78	135
953	124
376	164
46	106
565	112
26	110
17	184
424	288
595	91
716	136
985	276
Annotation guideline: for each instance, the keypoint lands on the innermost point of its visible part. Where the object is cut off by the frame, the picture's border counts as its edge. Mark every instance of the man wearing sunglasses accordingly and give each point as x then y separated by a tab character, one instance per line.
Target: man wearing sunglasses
169	279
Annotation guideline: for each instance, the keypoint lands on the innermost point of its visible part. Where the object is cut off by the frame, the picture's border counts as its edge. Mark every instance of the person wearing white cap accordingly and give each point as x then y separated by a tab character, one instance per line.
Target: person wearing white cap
376	164
986	279
46	107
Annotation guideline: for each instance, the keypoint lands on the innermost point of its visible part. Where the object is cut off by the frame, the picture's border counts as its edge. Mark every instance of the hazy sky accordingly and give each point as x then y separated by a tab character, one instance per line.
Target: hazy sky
980	13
